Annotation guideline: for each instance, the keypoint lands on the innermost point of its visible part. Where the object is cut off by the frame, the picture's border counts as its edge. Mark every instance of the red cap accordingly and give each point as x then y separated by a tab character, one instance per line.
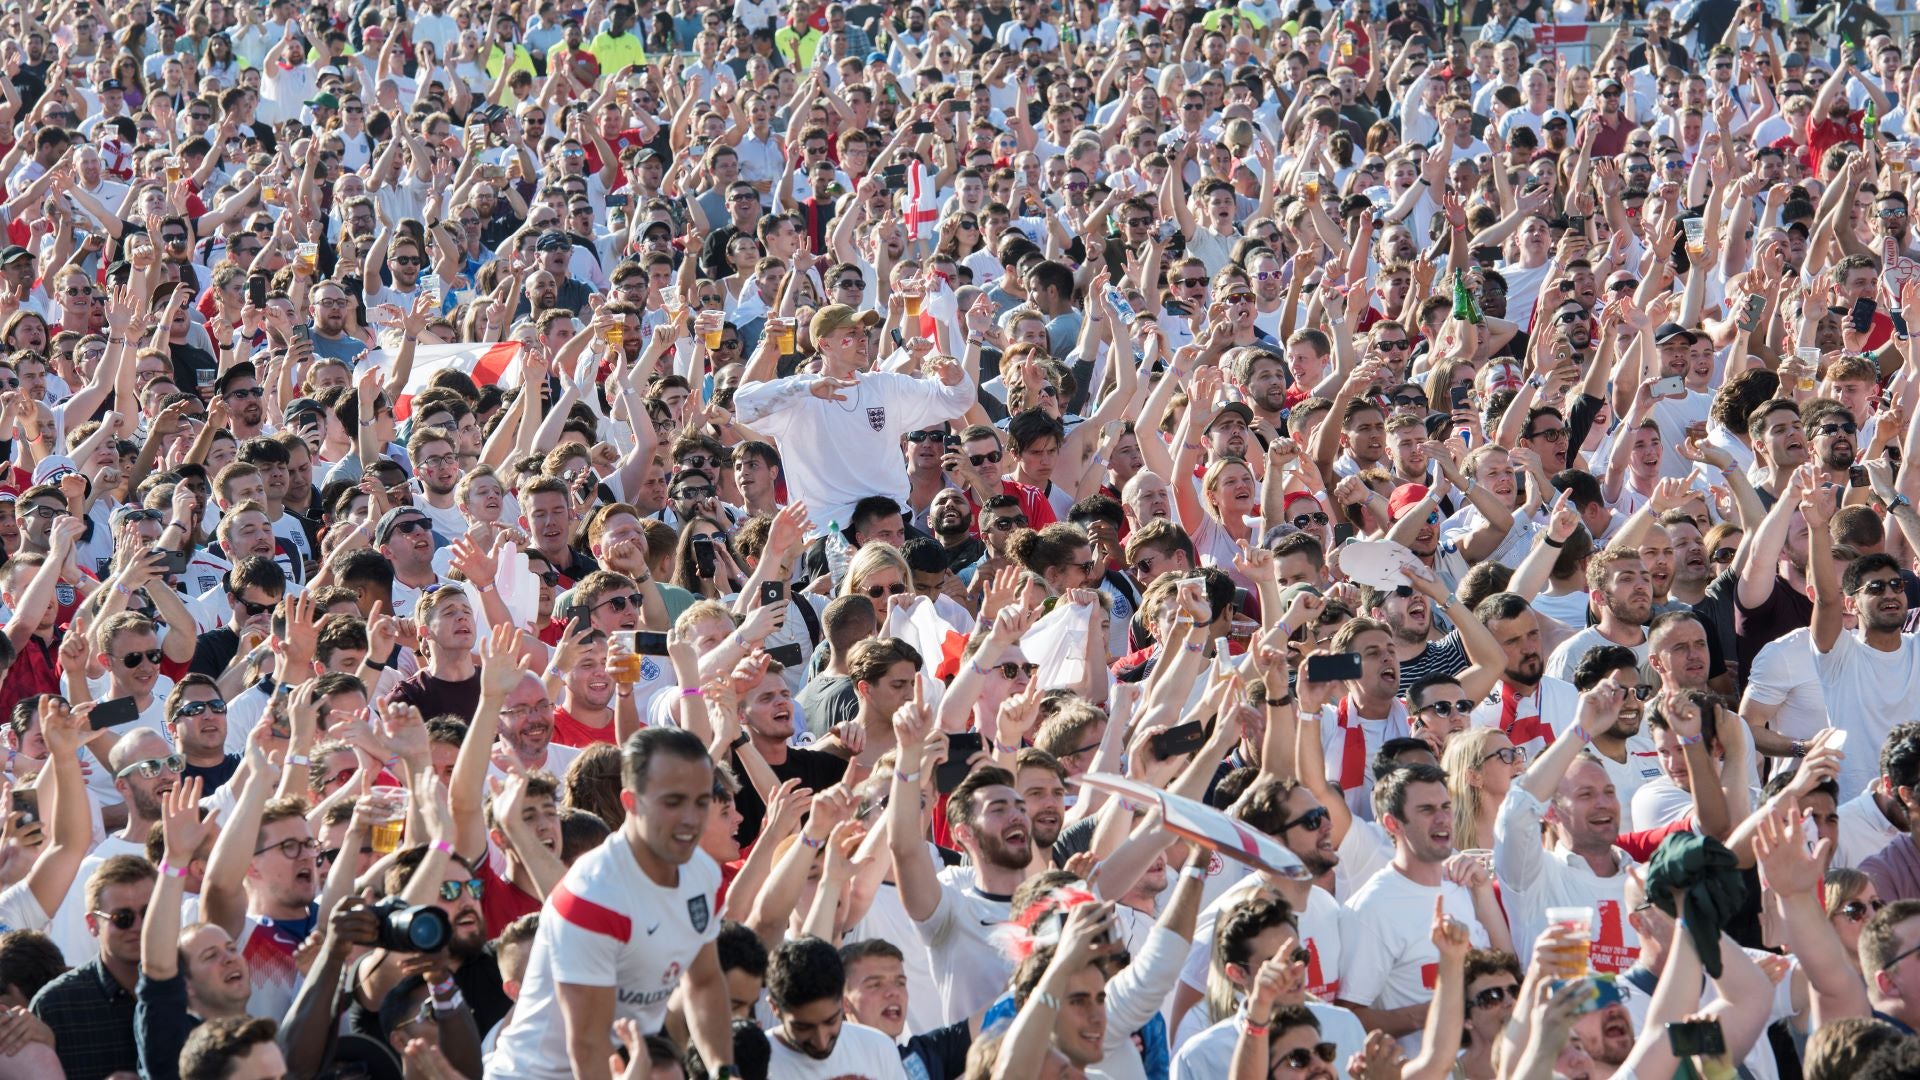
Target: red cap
1294	497
1404	496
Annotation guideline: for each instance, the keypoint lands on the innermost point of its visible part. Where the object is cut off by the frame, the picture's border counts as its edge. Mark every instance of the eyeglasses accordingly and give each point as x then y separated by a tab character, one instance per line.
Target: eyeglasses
450	890
243	395
1011	670
1457	707
518	714
1859	910
1008	524
121	918
1508	755
1312	820
1194	106
292	847
619	603
991	457
46	512
875	592
133	659
1305	521
1844	427
1881	586
1494	995
152	767
1558	434
195	708
1300	1056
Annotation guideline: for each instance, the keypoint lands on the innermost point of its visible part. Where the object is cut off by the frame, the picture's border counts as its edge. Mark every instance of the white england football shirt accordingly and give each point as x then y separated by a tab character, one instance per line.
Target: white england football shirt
607	924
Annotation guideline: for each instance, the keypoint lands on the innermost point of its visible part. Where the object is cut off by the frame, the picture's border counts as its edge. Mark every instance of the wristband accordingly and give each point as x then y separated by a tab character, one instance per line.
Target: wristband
1283	629
977	669
377	665
488	587
171	870
692	691
299	759
1005	748
1197	873
442	845
810	842
1691	740
1193	647
906	777
442	989
451	1004
1547	539
1045	1000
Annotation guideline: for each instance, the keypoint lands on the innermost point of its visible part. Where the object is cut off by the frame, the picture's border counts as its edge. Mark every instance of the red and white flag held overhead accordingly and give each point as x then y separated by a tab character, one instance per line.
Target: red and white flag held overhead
488	363
923	202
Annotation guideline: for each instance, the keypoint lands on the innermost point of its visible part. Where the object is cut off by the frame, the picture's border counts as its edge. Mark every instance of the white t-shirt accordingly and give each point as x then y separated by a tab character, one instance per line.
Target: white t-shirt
887	919
1322	928
1867	693
1562	661
1642	767
861	1051
969	968
1390	961
1554	700
1672	416
608	925
1783	674
1533	879
839	452
1660	802
1864	830
1209	1054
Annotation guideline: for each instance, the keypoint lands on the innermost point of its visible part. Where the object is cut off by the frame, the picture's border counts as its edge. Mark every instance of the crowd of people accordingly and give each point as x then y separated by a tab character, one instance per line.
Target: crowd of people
997	540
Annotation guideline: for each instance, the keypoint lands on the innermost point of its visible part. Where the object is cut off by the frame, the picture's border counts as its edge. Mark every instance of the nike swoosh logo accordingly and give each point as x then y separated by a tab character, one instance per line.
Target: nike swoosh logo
652	928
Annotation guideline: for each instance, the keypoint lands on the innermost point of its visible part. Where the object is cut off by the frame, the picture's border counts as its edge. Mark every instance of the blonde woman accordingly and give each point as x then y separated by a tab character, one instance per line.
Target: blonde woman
1481	764
879	573
1850	901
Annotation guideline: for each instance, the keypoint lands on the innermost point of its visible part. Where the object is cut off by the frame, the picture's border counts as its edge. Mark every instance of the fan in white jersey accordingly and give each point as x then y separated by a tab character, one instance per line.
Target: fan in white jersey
806	985
630	920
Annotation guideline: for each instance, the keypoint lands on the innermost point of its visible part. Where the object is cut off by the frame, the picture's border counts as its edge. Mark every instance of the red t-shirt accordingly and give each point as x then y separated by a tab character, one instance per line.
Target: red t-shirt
1824	134
568	731
501	901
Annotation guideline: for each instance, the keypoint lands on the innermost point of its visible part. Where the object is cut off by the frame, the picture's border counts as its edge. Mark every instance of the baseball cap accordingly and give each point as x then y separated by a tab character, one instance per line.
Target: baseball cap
242	370
394	517
553	240
1404	497
1231	408
322	101
835	316
52	468
299	406
1671	331
13	253
1556	114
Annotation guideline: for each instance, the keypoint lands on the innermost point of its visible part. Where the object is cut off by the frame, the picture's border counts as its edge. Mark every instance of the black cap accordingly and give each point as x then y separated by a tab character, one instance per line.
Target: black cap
1673	331
242	370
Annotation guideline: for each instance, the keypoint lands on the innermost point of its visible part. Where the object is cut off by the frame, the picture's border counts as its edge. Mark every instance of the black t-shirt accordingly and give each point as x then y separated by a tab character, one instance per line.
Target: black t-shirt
187	359
815	769
439	697
214	776
214	650
942	1052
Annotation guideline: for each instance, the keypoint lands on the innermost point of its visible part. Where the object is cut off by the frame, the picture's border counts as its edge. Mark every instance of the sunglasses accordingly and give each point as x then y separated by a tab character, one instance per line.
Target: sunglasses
133	659
1306	521
1011	671
875	592
1457	707
1881	587
1722	555
252	608
1300	1056
412	525
1494	995
1238	298
1192	283
1394	346
1838	428
1410	401
195	708
450	890
850	283
152	767
1859	910
1508	755
619	603
1558	434
1312	820
694	493
991	457
1008	524
926	436
121	918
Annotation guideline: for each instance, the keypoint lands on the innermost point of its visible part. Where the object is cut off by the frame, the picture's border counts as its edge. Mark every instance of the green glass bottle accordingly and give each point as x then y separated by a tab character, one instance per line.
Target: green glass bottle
1464	308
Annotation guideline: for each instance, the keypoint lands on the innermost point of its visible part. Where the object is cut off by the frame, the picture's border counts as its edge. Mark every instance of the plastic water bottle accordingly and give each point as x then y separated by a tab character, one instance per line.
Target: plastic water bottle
1120	306
839	554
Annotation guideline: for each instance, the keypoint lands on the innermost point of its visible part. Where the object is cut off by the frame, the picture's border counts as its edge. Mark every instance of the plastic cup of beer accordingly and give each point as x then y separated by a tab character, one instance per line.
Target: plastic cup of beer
1484	856
712	326
1809	357
174	170
783	334
1573	963
623	660
386	834
913	294
1310	184
1696	230
310	257
617	333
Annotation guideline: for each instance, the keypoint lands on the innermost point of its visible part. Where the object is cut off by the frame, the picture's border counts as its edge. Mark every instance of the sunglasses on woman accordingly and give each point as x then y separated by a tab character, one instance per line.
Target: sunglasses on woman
1494	995
875	592
1011	670
1860	910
